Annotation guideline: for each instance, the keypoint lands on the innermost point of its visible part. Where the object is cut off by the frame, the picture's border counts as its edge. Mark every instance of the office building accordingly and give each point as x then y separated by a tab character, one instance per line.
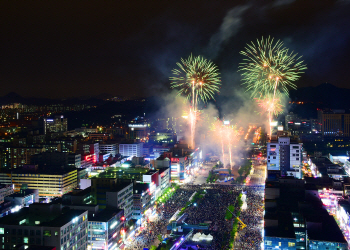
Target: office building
55	125
131	150
284	156
334	123
43	224
50	182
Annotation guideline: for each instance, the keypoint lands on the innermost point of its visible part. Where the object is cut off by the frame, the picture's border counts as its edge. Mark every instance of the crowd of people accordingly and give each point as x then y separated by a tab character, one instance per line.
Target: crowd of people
148	234
210	209
251	237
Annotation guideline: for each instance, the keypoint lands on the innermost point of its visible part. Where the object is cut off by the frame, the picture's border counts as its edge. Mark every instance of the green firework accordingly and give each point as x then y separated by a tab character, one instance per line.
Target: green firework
268	67
196	75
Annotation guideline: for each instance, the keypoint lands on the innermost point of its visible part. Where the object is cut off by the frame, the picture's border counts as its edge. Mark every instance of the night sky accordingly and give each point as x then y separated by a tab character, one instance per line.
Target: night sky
128	48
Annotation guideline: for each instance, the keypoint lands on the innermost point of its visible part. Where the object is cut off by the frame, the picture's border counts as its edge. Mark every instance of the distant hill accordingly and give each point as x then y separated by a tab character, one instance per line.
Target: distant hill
324	95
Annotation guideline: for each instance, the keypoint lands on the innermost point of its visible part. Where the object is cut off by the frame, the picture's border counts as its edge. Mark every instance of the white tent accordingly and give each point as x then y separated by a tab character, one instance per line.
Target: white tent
209	237
202	237
196	237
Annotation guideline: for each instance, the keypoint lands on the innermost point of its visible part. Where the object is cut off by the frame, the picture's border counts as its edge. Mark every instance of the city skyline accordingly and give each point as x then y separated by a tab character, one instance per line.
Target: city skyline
129	49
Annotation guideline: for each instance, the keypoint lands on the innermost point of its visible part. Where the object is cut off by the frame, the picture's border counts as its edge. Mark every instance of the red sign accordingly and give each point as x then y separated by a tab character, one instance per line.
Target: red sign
175	160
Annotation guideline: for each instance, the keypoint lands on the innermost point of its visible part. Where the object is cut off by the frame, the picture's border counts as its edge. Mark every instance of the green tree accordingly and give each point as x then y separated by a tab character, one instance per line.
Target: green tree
160	238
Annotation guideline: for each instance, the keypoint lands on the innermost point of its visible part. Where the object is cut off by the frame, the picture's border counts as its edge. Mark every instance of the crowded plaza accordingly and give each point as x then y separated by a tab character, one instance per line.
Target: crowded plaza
210	210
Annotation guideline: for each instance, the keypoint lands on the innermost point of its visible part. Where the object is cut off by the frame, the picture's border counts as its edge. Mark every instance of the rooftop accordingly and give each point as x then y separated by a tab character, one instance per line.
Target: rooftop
50	219
106	214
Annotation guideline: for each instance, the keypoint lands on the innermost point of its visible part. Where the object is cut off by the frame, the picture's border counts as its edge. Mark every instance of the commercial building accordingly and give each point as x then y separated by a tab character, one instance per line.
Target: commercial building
50	182
284	156
43	224
164	175
113	193
142	201
55	125
106	229
131	150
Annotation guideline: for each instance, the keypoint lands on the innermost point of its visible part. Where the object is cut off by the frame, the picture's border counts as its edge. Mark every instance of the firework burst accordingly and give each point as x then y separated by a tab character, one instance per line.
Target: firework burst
196	78
268	67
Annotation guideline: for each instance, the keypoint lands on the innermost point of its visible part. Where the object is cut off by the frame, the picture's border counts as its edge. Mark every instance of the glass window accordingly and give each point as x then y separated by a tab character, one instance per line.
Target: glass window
2	230
25	240
25	231
38	232
14	231
31	232
291	244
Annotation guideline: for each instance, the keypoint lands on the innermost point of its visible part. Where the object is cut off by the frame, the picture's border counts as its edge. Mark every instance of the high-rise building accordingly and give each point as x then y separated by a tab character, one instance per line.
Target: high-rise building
285	156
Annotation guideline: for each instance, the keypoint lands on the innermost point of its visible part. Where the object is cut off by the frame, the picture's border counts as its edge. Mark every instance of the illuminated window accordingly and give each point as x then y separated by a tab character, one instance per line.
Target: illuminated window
291	244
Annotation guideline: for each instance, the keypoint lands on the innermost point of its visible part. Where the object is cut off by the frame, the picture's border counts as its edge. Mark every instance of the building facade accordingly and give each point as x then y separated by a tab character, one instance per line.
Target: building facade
49	184
135	149
106	229
285	156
